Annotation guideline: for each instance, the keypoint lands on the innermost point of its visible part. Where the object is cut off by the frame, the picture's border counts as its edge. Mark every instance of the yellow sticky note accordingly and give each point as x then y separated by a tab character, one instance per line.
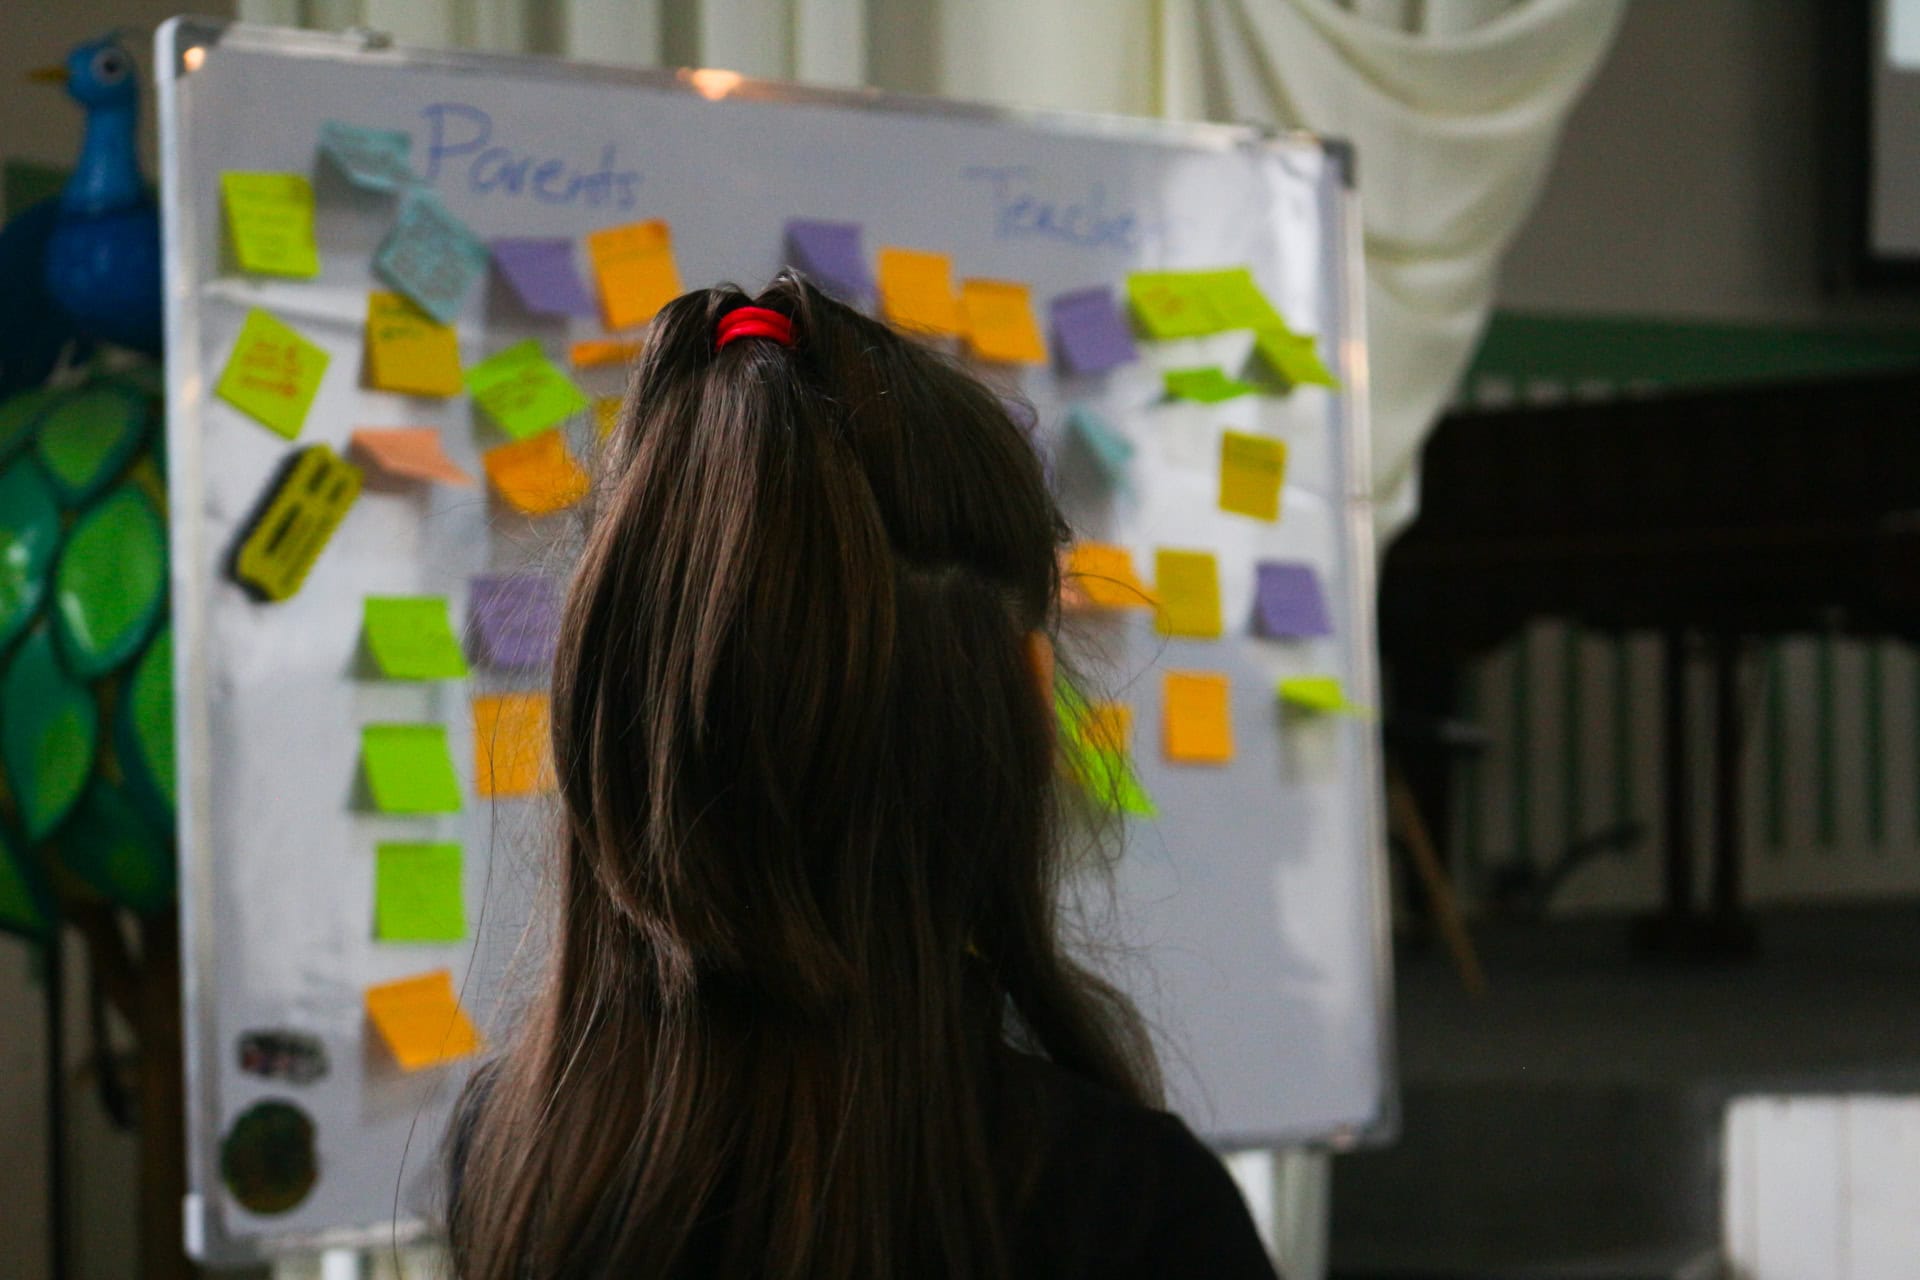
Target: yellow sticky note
1251	471
635	269
916	291
606	415
536	476
598	352
1319	695
999	322
273	374
1098	575
408	351
1188	585
511	755
270	216
1197	717
409	453
421	1021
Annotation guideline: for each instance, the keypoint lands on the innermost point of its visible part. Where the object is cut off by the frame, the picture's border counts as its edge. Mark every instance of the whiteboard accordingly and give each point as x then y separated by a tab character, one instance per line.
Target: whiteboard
1248	918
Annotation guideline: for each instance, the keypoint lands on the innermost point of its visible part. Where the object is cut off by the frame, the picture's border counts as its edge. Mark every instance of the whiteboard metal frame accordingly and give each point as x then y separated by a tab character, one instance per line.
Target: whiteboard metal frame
175	44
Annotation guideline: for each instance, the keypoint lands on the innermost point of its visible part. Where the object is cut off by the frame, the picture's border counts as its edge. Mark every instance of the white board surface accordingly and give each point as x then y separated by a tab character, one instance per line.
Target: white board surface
1251	910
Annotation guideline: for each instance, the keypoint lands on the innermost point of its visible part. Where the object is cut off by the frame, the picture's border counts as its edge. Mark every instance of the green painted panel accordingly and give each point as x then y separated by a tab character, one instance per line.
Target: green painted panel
143	731
111	585
49	729
115	853
29	539
87	439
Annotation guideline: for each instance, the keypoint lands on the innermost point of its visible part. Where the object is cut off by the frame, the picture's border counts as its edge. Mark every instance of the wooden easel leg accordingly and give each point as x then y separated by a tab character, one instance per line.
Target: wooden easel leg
1404	816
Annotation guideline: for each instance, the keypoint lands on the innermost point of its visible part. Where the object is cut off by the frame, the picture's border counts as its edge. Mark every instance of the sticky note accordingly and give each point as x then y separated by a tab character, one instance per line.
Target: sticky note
372	159
1188	585
1108	726
408	768
409	453
1206	386
306	502
522	391
430	256
270	217
411	639
408	351
421	1021
536	476
416	893
830	253
1094	739
598	352
634	265
542	274
916	291
1293	358
1112	451
1288	602
273	374
1251	471
1196	717
1318	695
1237	300
1100	576
511	749
1089	332
1192	304
999	323
606	415
514	619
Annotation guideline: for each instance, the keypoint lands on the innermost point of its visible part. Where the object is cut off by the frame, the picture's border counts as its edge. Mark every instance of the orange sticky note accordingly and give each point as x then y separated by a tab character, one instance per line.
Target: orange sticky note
536	476
511	755
421	1022
602	351
409	453
1197	717
916	291
1188	585
1251	470
634	266
999	322
408	351
1108	726
1099	575
606	415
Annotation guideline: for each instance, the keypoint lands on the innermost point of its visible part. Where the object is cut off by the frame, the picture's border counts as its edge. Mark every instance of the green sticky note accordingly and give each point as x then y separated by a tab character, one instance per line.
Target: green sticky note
416	893
273	373
411	638
1293	359
1208	386
270	216
409	769
1236	299
1320	695
1172	304
524	392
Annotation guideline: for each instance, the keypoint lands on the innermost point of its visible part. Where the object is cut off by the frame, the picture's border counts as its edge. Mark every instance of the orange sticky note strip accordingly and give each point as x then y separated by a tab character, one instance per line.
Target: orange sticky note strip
999	322
1251	471
606	415
1188	585
916	290
1197	717
602	351
421	1021
536	476
1099	575
1109	726
511	755
635	269
409	453
408	351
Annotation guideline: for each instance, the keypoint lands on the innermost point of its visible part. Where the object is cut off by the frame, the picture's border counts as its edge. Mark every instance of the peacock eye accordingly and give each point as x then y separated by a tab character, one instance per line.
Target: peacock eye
109	66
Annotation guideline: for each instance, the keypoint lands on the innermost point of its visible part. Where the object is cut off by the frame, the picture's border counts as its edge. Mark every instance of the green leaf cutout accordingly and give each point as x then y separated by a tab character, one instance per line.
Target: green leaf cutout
25	906
111	850
111	583
20	415
29	537
143	732
48	730
87	439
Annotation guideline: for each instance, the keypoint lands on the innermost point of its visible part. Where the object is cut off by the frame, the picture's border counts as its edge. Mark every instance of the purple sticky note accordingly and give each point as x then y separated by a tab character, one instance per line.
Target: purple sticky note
1089	332
514	619
542	273
1288	602
830	253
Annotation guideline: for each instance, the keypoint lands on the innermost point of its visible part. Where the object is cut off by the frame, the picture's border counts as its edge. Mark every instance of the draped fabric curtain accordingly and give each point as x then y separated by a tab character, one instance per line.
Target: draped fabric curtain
1454	107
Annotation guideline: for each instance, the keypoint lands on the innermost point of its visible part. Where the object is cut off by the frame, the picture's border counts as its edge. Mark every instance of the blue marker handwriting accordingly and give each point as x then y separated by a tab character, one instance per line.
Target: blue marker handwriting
1021	210
460	143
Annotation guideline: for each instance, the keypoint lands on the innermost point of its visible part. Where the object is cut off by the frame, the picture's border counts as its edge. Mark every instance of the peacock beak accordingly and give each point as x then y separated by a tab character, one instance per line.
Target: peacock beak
48	75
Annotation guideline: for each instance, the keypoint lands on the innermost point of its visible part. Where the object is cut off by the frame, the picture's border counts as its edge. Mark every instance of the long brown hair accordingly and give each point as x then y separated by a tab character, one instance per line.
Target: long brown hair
808	869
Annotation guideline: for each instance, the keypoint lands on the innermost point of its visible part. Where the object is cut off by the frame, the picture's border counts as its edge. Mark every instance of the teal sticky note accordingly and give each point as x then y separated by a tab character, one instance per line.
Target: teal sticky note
1111	450
1207	386
417	894
409	769
373	159
411	638
430	256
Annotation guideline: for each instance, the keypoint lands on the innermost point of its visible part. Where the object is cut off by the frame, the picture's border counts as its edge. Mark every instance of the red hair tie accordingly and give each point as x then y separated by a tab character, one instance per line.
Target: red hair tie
753	322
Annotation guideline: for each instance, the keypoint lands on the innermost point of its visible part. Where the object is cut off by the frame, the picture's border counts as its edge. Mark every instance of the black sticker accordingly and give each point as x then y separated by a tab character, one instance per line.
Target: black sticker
267	1158
282	1054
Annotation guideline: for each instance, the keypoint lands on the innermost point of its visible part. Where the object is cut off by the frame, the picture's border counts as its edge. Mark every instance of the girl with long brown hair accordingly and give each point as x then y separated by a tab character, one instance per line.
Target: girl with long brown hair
808	1012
